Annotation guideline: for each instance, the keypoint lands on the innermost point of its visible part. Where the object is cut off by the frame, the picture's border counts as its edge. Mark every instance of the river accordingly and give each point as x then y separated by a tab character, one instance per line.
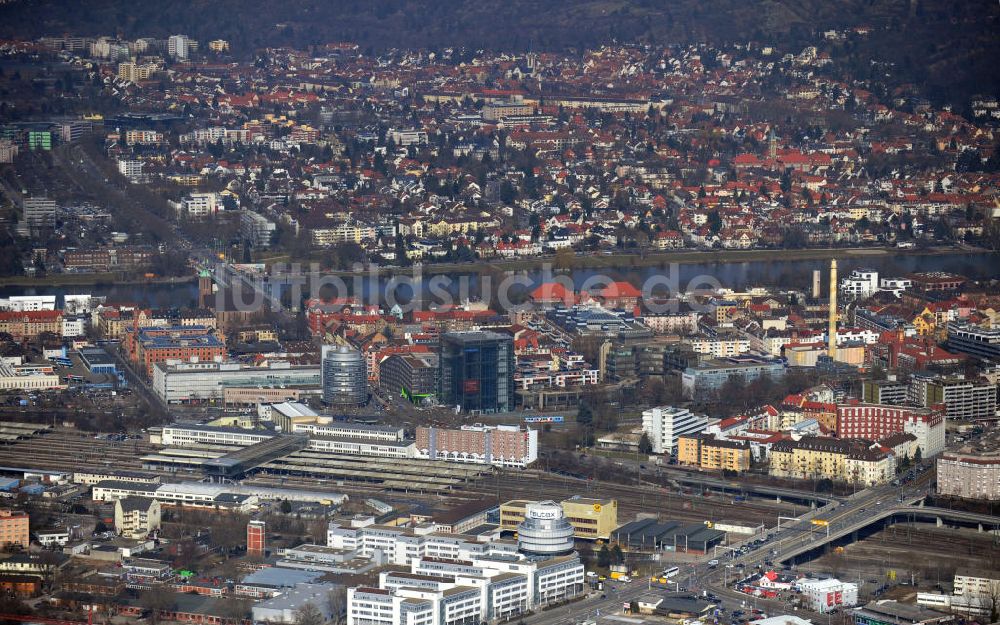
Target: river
734	275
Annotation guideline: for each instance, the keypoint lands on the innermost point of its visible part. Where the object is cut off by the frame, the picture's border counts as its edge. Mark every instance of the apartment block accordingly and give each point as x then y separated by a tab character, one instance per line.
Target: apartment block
971	475
876	421
14	528
710	453
664	425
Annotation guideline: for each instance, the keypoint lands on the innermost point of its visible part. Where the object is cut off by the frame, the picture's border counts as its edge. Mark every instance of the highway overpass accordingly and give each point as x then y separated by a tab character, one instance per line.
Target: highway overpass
859	525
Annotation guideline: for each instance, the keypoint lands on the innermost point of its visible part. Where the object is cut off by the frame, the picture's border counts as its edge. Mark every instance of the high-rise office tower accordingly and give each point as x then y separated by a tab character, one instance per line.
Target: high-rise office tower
477	371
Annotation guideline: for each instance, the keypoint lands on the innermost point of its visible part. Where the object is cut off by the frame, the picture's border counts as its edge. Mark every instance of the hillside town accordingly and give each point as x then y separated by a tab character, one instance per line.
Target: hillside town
678	334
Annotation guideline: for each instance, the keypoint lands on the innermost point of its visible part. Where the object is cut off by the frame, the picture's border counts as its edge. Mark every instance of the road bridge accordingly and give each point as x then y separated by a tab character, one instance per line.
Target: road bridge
858	524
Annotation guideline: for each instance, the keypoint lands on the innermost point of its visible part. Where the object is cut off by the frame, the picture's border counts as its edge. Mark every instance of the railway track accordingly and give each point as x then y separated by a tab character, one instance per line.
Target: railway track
632	499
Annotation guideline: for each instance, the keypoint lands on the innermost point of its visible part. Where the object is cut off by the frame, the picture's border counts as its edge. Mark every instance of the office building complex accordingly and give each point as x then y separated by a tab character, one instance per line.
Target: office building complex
151	345
707	377
446	592
975	341
477	371
592	519
345	376
665	424
176	382
39	212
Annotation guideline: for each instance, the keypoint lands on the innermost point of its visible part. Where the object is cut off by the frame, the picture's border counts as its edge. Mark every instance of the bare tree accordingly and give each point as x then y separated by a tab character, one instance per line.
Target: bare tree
309	615
156	600
236	610
337	602
989	599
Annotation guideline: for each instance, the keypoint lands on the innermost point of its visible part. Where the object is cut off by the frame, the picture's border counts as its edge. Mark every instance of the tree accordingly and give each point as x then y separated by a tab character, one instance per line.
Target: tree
564	259
714	221
917	457
309	615
584	414
285	506
604	557
989	599
645	446
617	557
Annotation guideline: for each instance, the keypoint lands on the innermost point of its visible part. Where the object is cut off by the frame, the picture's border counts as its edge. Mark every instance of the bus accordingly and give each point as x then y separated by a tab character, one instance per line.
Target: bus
674	570
74	378
62	361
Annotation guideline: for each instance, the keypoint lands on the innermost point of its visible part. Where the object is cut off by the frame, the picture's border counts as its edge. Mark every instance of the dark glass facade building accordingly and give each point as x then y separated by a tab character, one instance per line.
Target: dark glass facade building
477	371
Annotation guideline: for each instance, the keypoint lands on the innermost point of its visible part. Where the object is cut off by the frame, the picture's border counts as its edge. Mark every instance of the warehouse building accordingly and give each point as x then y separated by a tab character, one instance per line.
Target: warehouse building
652	535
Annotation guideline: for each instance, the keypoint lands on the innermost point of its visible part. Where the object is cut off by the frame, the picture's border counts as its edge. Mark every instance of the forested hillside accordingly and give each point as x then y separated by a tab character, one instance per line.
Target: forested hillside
949	48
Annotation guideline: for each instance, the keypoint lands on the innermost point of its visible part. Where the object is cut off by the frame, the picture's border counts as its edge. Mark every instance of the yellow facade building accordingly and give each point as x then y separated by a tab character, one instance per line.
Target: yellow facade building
813	457
592	519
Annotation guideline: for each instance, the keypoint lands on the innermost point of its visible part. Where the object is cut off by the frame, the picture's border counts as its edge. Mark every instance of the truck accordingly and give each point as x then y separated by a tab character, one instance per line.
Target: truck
713	563
621	577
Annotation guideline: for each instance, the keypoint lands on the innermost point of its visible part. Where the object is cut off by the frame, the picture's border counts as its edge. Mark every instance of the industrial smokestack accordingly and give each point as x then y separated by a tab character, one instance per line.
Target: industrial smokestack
816	282
832	330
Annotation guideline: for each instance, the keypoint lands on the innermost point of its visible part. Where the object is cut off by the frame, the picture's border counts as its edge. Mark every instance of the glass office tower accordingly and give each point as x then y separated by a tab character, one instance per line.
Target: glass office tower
477	371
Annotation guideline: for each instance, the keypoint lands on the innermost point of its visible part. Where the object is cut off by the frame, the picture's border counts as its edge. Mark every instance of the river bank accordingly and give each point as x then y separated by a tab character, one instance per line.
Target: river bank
89	279
627	261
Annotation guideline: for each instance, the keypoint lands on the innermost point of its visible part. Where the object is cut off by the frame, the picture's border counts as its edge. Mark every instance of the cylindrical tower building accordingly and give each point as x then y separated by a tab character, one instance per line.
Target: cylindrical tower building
345	376
545	531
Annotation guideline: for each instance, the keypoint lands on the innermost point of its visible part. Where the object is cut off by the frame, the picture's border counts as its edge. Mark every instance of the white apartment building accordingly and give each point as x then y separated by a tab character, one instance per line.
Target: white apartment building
144	137
28	303
131	169
976	582
347	232
200	204
257	229
896	286
861	283
665	424
179	47
407	137
718	346
963	398
74	327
